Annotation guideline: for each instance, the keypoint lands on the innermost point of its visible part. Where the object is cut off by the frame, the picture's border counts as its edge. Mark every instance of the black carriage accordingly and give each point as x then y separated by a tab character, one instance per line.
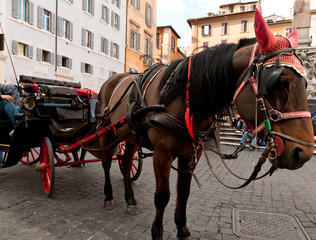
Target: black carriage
56	115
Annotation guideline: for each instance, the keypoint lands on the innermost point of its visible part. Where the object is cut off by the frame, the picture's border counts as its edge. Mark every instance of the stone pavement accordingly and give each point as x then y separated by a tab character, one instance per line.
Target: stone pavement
75	210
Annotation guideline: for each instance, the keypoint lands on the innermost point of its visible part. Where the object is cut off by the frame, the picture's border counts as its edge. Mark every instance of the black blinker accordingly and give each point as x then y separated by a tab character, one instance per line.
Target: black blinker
268	78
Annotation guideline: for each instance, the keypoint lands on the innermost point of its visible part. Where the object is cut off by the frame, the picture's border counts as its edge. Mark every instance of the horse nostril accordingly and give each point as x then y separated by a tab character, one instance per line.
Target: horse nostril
299	156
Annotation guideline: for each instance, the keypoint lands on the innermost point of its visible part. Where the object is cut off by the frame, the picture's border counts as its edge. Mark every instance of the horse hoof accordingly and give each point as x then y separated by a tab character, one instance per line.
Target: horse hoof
184	233
109	205
132	209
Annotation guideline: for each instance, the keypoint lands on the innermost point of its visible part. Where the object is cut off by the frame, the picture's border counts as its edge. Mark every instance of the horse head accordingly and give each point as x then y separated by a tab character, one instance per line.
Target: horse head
278	90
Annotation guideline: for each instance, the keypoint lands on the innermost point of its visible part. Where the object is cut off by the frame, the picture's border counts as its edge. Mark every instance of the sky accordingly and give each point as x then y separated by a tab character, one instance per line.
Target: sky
176	13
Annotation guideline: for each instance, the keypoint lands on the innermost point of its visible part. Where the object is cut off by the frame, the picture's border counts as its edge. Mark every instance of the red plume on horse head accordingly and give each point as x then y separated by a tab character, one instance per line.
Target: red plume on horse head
269	43
265	36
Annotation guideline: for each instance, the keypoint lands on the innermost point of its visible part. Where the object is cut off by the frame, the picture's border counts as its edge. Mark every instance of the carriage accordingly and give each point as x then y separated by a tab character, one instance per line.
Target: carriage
56	115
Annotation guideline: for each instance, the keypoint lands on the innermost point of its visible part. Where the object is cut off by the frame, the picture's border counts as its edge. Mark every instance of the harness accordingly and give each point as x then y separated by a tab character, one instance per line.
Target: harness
262	74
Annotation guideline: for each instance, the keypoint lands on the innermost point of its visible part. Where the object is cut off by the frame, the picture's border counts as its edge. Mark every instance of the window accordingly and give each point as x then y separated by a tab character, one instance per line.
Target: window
115	50
173	44
288	31
224	41
148	50
158	40
22	49
111	73
149	15
136	4
117	3
231	8
242	8
205	44
254	6
104	45
46	20
45	56
135	40
105	14
64	61
24	10
115	19
224	28
87	38
88	6
206	30
65	28
86	68
244	26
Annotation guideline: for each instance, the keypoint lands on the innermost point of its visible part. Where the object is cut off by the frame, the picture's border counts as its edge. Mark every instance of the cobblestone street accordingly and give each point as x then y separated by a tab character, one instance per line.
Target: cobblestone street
75	210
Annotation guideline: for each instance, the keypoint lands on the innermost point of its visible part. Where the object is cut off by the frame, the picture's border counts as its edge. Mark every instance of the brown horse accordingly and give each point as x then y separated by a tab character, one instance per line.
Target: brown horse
193	92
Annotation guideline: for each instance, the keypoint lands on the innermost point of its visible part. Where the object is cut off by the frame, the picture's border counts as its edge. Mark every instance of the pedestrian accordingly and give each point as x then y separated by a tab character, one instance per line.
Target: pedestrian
9	96
247	134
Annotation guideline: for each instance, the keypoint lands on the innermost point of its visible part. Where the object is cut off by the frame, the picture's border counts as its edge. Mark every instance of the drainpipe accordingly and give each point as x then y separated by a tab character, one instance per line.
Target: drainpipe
56	35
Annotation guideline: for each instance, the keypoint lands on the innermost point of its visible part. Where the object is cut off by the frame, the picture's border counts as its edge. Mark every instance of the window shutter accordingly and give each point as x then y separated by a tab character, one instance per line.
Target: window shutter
30	11
106	46
51	58
138	41
39	54
71	27
111	49
92	41
131	40
107	15
69	63
150	16
138	4
203	30
30	52
40	12
91	69
146	13
119	3
83	37
151	49
15	8
118	22
60	31
52	22
92	7
112	18
117	51
59	60
84	5
102	44
82	66
15	47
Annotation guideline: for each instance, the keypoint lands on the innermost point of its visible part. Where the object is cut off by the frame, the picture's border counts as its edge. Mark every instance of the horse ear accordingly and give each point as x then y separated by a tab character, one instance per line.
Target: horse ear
293	38
264	35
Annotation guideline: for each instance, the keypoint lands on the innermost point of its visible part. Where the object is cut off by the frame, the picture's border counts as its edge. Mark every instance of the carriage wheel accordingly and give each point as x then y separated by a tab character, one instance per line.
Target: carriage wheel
30	156
47	166
137	164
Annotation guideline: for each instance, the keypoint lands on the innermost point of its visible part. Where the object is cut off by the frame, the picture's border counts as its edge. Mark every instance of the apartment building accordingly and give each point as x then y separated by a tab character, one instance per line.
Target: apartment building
232	22
280	25
167	44
140	35
71	40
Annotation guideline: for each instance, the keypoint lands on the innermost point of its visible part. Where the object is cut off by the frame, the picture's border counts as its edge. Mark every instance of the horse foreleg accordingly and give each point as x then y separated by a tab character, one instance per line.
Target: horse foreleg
186	165
106	164
162	165
127	161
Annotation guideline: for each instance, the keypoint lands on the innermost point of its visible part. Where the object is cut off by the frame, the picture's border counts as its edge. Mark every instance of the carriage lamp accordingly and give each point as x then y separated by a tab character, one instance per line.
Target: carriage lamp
28	103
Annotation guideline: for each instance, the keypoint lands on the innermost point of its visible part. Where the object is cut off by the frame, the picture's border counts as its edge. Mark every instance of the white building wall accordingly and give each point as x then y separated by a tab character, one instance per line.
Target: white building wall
18	30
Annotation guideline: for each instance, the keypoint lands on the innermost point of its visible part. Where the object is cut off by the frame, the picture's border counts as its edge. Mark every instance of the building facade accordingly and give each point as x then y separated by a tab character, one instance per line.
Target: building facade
140	35
280	25
231	23
167	45
81	41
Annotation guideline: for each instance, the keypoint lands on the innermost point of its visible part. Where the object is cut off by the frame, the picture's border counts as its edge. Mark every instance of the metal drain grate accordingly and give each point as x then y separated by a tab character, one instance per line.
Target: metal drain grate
263	225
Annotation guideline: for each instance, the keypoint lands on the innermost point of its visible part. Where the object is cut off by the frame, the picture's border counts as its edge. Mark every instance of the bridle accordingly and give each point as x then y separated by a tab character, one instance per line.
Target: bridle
253	75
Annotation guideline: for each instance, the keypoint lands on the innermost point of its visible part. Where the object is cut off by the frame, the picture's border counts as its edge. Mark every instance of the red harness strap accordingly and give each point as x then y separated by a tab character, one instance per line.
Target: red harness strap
188	115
